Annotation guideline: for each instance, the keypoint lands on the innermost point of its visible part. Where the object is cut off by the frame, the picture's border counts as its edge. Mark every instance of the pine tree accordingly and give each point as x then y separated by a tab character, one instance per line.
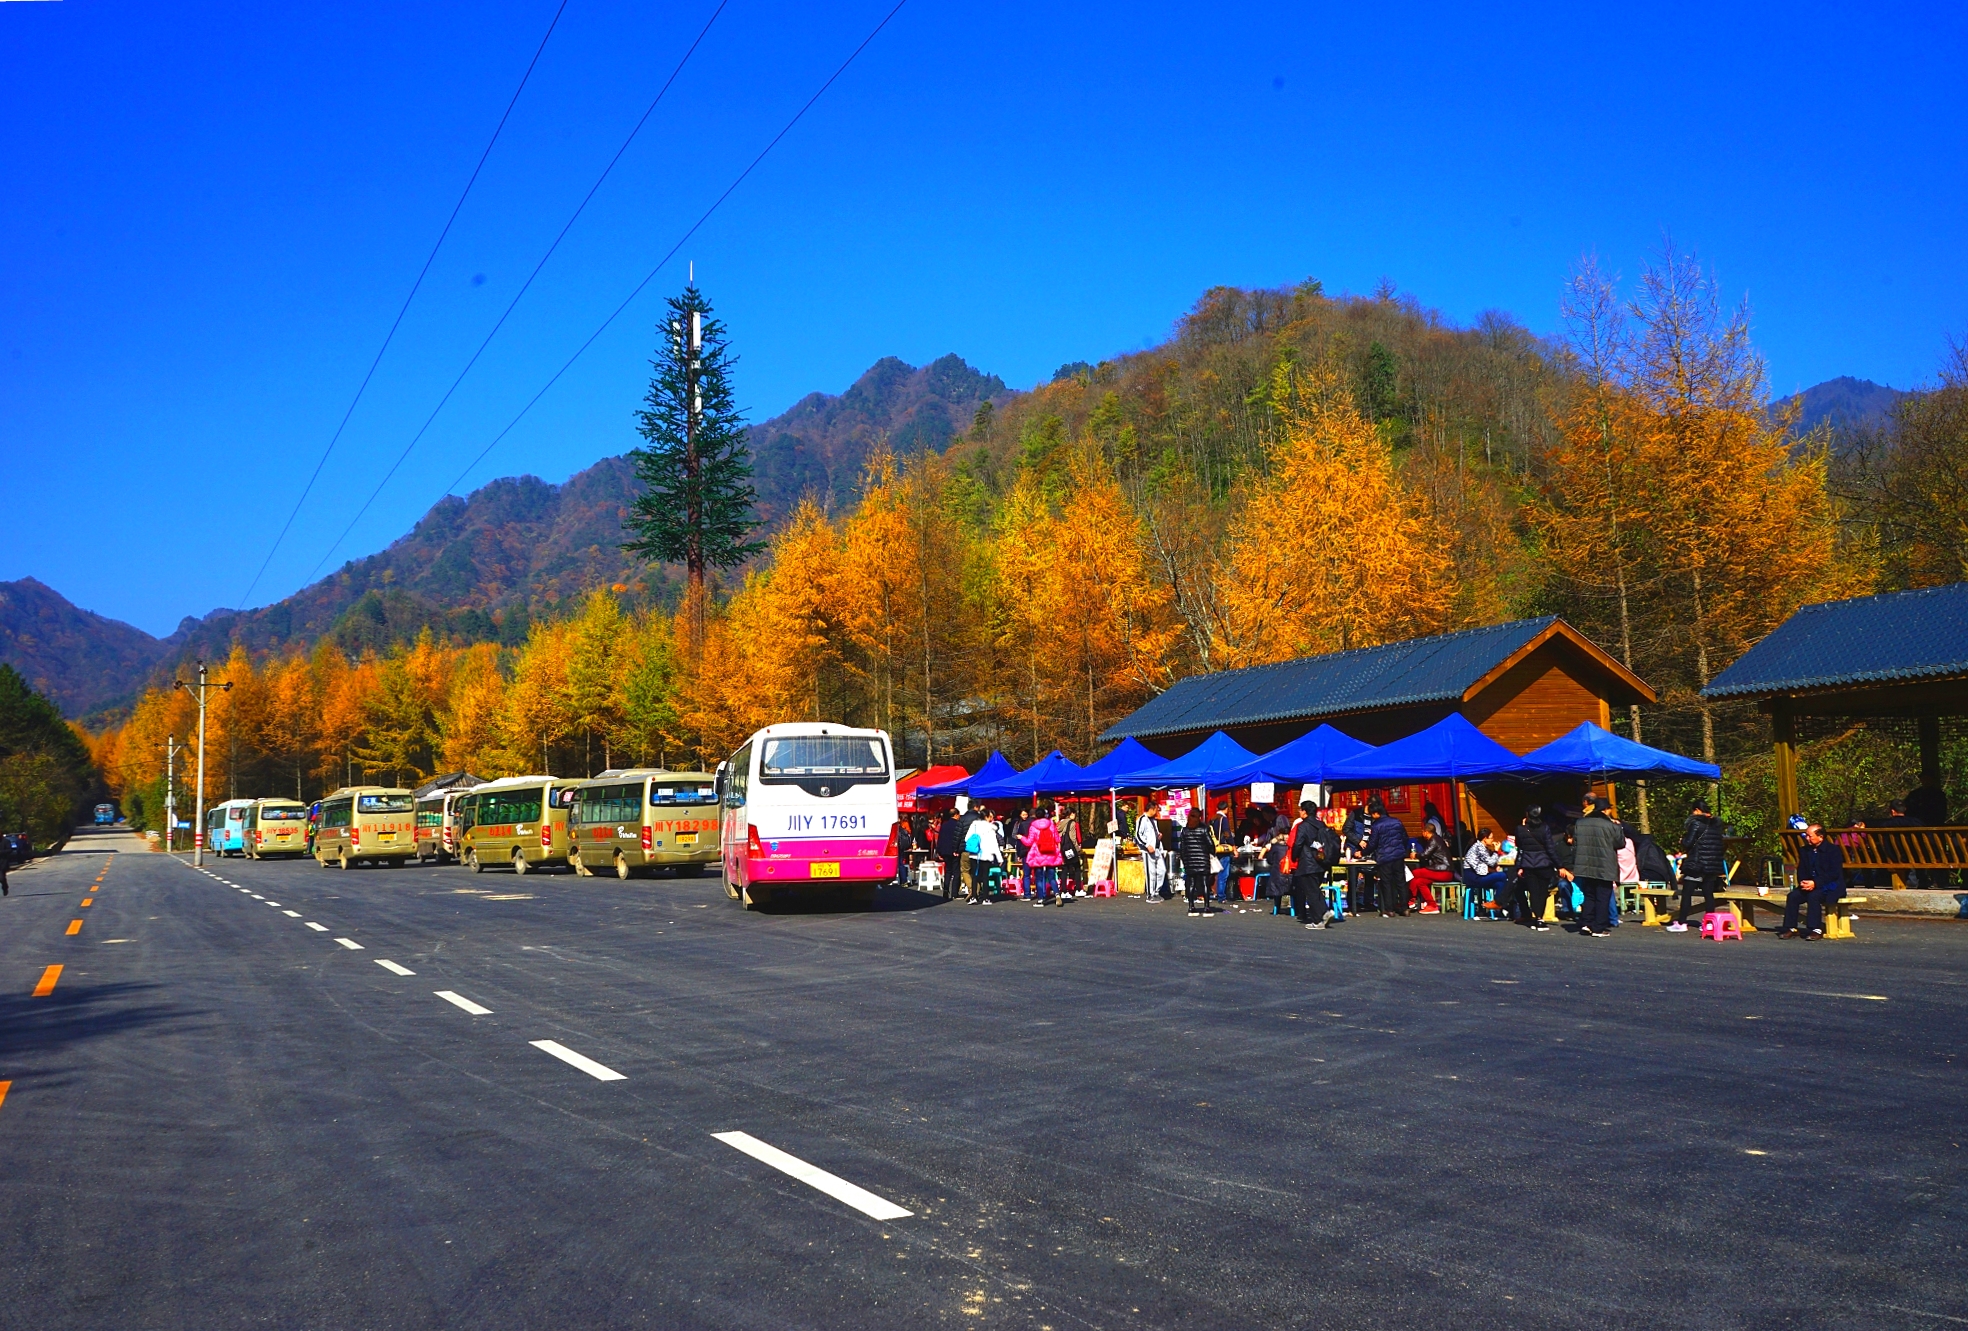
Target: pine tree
696	507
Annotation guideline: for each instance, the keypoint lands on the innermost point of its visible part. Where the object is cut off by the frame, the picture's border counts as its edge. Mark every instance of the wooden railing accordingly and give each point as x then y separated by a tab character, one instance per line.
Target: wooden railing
1892	847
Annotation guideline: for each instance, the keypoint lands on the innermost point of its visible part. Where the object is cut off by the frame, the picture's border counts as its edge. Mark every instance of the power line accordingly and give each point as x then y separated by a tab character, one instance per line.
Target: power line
398	322
520	294
682	240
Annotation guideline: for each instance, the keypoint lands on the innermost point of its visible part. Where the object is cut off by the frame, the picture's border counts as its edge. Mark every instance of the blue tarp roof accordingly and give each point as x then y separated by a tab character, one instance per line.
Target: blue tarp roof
1103	774
1399	674
1900	636
995	769
1450	750
1303	761
1201	766
1050	770
1591	751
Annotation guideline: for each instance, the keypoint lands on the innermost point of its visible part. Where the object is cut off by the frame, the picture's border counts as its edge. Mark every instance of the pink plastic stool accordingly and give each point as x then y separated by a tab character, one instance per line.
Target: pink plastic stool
1101	890
1721	925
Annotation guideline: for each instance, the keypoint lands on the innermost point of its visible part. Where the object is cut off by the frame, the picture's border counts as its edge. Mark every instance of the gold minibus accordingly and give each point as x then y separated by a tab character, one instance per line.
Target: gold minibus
644	818
276	827
376	824
519	821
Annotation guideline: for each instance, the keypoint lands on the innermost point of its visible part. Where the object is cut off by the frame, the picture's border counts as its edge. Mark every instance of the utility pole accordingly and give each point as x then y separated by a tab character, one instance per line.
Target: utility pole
201	688
171	747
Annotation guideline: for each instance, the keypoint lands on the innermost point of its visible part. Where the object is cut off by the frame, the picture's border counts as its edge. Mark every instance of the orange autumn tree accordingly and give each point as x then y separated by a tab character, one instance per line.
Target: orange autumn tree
1328	551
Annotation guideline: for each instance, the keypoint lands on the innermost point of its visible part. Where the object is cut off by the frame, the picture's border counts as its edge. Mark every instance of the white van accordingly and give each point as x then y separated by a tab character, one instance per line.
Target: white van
807	809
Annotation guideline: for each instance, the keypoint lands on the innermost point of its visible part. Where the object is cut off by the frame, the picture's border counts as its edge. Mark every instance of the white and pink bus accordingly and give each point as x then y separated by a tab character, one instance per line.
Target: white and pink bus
808	809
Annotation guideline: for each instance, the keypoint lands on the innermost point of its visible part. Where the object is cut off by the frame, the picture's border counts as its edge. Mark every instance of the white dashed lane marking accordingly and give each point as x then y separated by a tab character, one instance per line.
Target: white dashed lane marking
834	1186
293	913
318	928
560	1051
459	1000
350	944
389	966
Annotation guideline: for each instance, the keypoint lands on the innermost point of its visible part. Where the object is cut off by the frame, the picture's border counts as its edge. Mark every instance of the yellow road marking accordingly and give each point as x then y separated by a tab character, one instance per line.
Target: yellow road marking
47	985
74	928
88	902
95	887
3	1091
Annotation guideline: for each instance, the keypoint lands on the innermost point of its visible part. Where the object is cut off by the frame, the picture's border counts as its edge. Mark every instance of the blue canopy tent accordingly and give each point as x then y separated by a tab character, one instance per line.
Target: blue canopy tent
994	770
1590	751
1203	765
1055	768
1104	774
1307	760
1450	750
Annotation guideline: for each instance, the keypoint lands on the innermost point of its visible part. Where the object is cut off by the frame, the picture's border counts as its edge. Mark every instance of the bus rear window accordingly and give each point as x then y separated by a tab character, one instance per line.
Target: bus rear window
805	757
682	794
384	803
282	815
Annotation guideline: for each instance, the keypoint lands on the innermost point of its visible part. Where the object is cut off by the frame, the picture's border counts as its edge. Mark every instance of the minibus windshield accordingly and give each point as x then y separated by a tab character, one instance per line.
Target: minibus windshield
384	803
803	757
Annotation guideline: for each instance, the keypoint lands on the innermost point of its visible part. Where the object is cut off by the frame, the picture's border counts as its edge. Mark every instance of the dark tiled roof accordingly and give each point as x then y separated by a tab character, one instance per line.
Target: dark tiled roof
1400	674
1899	636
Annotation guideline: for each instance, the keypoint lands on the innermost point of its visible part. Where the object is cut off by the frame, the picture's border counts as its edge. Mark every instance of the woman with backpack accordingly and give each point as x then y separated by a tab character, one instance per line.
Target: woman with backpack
1043	858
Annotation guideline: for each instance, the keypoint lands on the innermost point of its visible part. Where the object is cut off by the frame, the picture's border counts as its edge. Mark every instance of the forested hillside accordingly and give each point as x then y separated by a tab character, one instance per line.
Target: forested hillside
81	660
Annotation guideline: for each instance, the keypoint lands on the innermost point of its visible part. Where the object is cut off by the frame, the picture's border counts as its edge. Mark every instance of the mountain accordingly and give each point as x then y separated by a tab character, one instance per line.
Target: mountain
82	660
1847	404
477	569
818	446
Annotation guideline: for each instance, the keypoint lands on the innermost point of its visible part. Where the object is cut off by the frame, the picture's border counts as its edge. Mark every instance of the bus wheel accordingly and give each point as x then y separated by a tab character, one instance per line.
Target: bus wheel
574	862
344	864
730	888
621	866
520	866
754	898
471	861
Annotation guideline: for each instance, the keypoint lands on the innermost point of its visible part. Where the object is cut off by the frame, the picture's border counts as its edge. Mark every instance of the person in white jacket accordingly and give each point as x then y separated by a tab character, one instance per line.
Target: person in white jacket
1154	868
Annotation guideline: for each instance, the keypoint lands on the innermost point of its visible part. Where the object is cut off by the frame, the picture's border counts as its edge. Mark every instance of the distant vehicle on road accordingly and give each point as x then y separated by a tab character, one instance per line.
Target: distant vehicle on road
276	827
105	815
640	818
17	847
808	810
366	824
519	821
225	827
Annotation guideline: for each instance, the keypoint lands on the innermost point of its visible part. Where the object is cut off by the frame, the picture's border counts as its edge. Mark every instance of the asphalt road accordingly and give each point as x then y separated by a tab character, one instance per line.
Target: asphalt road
1108	1115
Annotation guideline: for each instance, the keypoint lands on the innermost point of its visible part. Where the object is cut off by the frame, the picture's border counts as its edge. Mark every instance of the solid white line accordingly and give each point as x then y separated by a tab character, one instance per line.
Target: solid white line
350	944
389	966
581	1061
838	1188
318	928
296	914
459	1000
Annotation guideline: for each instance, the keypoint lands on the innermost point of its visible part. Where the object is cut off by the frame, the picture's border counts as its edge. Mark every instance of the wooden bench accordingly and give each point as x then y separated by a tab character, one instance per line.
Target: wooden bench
1657	903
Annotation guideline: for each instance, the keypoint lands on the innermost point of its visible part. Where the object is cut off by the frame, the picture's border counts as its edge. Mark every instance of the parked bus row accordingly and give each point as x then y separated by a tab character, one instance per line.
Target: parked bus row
800	810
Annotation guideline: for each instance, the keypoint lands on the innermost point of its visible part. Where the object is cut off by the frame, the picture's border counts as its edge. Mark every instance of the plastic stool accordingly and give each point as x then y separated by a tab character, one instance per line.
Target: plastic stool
1721	925
1105	889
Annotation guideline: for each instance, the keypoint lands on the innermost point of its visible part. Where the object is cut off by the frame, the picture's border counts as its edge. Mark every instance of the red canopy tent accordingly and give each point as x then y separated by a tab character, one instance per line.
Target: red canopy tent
906	800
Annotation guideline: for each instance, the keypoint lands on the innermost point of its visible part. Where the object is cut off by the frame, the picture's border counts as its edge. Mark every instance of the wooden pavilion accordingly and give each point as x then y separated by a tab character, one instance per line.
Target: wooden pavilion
1900	655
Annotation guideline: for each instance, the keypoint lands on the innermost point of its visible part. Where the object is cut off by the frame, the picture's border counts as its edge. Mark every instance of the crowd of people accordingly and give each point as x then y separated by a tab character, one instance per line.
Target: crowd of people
1330	864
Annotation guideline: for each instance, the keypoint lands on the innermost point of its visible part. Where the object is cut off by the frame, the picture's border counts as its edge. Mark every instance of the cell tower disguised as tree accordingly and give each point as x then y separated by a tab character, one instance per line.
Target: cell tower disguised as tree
696	506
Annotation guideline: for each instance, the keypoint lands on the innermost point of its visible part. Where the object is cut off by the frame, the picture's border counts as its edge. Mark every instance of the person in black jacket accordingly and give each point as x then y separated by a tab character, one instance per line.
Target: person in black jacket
1387	847
1193	847
1353	842
1537	867
1314	851
1820	881
1705	868
1596	844
950	834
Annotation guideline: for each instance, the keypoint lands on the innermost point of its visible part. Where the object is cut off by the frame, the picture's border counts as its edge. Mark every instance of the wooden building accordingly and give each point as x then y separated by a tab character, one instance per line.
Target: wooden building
1523	684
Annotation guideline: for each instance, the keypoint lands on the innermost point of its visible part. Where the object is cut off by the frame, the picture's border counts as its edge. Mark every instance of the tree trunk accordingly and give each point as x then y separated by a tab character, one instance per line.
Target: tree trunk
1701	675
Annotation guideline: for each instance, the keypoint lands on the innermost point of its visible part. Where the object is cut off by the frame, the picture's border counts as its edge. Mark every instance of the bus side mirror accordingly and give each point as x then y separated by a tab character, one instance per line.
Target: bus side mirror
721	769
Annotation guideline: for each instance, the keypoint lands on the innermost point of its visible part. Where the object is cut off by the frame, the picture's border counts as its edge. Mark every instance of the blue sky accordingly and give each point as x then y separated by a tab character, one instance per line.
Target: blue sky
209	215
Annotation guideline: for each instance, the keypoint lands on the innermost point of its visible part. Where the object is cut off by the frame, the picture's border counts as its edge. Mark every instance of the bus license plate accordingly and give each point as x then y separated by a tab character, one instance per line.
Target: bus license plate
823	870
690	839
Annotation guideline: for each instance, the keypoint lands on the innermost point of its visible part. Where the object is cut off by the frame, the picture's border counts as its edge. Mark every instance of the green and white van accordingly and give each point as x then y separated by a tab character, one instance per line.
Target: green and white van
276	827
366	825
518	821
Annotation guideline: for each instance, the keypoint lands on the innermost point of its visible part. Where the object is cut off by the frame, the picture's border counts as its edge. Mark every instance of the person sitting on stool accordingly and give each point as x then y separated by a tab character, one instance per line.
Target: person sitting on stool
1820	881
1482	871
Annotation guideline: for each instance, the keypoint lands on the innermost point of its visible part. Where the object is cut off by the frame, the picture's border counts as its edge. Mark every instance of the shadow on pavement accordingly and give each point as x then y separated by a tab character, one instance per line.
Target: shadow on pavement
34	1032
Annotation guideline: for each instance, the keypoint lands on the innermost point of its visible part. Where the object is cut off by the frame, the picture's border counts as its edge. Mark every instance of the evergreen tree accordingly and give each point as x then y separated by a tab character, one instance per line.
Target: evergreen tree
696	507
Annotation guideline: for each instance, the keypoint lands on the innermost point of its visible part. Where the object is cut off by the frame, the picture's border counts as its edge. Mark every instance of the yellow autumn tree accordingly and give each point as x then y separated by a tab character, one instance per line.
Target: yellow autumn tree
1327	550
476	735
